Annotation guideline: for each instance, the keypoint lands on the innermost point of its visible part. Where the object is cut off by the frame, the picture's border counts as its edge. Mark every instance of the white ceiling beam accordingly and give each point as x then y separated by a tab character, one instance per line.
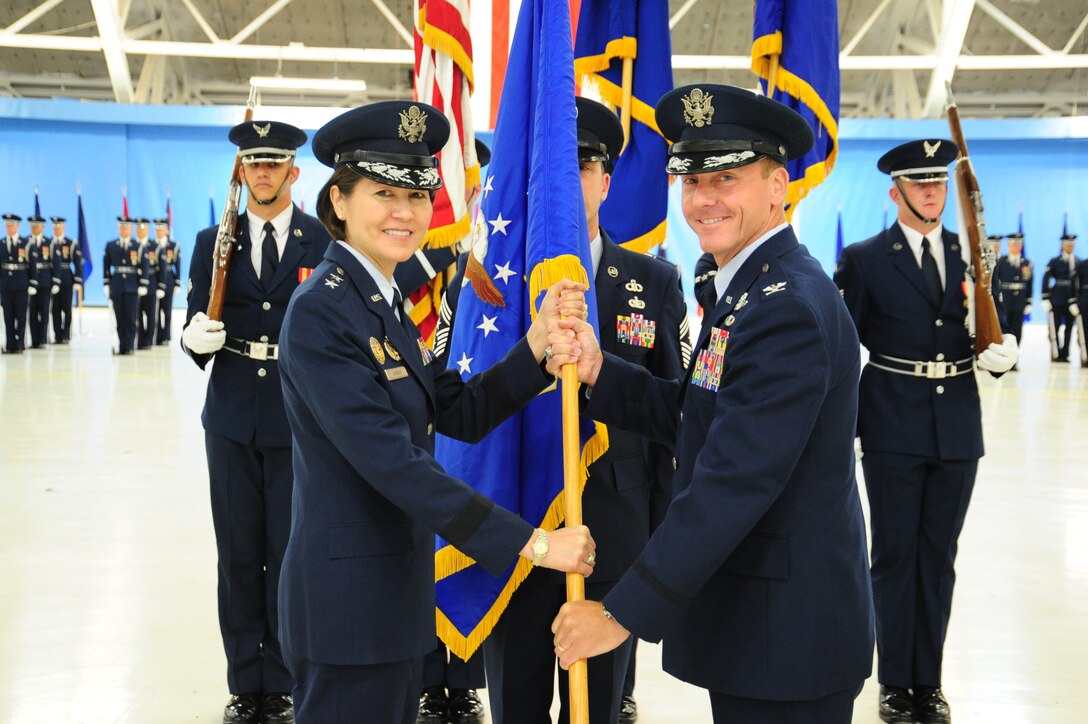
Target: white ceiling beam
111	31
147	72
1014	27
915	45
259	21
32	16
853	42
394	21
200	21
147	30
1076	34
957	15
680	13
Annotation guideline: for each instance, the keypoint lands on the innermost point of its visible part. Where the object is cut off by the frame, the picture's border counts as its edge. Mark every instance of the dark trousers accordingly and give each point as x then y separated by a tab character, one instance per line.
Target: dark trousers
1015	316
629	677
837	708
917	508
62	313
251	512
519	657
371	694
445	668
14	302
166	308
1061	325
149	320
39	315
125	305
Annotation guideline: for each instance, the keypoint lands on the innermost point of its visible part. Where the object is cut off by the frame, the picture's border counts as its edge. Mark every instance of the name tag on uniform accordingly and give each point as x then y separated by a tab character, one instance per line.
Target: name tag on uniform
636	330
396	373
708	366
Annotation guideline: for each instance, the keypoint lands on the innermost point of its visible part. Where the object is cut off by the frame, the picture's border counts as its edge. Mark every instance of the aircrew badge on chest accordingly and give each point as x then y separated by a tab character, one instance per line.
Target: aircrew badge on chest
636	330
424	351
376	349
708	366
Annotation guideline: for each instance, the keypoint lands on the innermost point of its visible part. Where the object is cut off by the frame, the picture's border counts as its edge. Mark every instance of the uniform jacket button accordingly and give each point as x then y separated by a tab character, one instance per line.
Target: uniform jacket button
940	322
940	356
262	372
940	389
674	463
430	428
266	306
264	337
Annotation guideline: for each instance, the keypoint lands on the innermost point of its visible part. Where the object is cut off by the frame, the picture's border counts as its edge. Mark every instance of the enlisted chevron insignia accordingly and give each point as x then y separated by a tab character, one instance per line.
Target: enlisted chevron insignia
773	288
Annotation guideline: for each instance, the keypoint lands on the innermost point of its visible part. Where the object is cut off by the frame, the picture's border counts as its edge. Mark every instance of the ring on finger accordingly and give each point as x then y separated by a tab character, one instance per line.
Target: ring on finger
561	649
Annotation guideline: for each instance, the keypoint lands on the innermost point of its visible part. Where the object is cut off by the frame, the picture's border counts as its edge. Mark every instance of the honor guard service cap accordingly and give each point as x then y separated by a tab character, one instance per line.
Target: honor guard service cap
35	219
141	221
1015	236
57	219
391	142
160	222
266	141
483	153
600	135
995	237
921	161
713	127
1069	237
13	218
124	220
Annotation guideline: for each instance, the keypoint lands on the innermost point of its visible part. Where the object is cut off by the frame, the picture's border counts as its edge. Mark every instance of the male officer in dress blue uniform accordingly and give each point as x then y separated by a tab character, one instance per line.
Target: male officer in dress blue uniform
68	276
14	283
169	254
1014	276
757	578
1060	296
124	281
149	261
919	421
246	434
642	319
41	282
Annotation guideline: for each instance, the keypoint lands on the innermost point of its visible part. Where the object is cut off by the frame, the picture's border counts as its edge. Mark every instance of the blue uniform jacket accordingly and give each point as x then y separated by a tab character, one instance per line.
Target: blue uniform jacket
67	261
244	401
123	270
169	266
886	294
14	264
41	263
357	585
1015	282
1059	284
758	578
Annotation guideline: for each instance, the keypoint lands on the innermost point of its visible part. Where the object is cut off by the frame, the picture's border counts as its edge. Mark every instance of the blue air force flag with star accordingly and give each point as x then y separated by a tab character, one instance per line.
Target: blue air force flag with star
530	233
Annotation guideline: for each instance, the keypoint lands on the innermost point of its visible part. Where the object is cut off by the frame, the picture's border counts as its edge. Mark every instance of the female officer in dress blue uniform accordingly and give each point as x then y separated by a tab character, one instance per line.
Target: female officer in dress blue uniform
364	400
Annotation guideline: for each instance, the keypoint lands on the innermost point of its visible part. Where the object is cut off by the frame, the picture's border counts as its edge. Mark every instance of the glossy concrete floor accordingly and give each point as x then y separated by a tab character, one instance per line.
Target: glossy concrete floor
107	596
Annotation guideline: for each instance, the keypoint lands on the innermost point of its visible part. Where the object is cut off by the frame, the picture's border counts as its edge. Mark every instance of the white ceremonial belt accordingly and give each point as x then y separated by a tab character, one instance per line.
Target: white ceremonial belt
930	370
261	351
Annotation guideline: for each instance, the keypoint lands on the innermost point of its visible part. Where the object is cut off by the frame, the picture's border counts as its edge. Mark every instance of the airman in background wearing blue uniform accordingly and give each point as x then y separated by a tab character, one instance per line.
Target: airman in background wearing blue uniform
365	400
757	578
68	276
1014	277
919	421
123	279
41	282
149	302
246	434
1060	297
642	319
14	284
169	254
1081	304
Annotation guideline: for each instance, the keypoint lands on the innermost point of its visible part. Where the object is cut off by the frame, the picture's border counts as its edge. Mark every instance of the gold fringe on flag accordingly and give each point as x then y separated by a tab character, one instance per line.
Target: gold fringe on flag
438	39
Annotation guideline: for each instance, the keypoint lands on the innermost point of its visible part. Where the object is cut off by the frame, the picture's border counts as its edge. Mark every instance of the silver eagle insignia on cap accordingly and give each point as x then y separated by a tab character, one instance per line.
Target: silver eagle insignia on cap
697	108
413	124
931	148
262	131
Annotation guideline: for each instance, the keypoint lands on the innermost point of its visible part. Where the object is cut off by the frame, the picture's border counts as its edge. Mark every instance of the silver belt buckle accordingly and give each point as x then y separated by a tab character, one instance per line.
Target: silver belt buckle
258	350
932	370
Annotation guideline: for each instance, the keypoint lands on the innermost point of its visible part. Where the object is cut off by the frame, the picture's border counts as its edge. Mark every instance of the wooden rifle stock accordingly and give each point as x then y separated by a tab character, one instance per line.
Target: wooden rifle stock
987	327
223	249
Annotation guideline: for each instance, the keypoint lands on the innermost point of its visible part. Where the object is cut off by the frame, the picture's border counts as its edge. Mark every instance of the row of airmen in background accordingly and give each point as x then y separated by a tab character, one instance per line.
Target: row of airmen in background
1064	292
39	274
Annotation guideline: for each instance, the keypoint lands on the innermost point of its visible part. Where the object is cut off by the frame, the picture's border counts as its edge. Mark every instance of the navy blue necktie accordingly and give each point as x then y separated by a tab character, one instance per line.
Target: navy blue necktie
933	277
270	255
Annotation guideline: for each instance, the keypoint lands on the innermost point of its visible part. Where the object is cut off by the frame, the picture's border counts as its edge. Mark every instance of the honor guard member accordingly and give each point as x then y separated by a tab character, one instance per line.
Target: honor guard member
919	421
1013	275
642	319
14	284
757	578
41	282
148	318
246	433
68	276
1059	297
365	399
169	255
1081	303
123	281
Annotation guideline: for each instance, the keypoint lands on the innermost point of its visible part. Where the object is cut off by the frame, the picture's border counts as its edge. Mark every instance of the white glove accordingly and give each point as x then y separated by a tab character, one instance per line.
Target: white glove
1027	310
203	335
32	291
1047	306
160	293
141	292
999	356
55	289
1074	309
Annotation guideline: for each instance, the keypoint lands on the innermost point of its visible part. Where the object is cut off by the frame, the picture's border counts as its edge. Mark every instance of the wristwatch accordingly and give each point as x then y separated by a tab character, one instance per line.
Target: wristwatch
540	546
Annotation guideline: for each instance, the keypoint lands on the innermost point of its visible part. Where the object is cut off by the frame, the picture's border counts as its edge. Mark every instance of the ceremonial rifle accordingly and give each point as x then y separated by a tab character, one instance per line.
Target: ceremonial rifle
225	237
987	328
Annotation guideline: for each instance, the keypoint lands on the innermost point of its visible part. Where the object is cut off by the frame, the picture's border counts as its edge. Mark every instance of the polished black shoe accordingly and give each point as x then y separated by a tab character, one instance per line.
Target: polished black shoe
277	709
895	705
930	706
465	707
433	706
243	709
628	710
